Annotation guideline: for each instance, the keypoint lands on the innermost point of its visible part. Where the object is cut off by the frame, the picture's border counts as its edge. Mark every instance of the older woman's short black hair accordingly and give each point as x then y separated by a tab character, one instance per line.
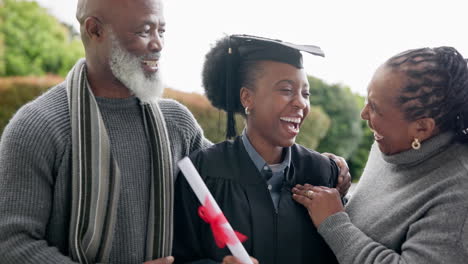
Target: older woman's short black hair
437	87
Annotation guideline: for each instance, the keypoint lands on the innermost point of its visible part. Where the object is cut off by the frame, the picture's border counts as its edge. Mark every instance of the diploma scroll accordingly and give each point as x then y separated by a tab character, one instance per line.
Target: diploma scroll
207	200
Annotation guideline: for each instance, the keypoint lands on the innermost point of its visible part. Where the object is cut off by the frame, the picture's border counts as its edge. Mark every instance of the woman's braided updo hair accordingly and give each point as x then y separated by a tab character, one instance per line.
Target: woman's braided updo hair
436	87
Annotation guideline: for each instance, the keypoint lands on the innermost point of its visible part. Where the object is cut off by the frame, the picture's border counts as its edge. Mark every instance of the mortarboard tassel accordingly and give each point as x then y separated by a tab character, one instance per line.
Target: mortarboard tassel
231	121
231	125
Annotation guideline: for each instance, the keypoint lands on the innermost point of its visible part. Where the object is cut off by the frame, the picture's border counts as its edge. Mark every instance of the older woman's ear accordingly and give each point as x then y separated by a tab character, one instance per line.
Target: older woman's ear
424	128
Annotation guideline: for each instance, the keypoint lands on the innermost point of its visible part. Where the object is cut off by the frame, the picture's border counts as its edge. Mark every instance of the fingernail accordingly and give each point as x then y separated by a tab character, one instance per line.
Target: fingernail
170	258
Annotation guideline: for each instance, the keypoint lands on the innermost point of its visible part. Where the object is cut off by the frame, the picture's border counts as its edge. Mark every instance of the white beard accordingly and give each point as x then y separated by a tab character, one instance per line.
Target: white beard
127	68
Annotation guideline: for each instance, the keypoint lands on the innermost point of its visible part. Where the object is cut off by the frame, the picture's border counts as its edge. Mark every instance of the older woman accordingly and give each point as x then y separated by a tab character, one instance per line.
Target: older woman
411	204
251	177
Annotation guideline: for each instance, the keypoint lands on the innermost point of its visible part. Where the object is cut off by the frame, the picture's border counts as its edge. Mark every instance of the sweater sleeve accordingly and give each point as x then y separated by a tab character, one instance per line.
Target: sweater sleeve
435	238
27	155
197	138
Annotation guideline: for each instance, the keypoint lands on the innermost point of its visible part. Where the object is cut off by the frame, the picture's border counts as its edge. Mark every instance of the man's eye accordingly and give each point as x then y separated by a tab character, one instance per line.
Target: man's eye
161	32
145	31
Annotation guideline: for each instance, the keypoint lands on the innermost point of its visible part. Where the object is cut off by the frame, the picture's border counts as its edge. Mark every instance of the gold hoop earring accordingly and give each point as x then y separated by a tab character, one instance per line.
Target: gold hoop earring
246	110
416	144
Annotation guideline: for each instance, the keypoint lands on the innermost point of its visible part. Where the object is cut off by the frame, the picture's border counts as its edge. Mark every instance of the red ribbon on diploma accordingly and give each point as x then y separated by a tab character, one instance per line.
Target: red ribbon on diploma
221	235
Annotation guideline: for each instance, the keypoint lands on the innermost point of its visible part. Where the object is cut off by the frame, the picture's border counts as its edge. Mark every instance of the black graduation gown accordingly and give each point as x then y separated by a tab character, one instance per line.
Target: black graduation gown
285	236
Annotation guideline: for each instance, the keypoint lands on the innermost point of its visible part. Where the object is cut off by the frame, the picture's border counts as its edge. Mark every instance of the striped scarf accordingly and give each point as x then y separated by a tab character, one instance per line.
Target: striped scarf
96	178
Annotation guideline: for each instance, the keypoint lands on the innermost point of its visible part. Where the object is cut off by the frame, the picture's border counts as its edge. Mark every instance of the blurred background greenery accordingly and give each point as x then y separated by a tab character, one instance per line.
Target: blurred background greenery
37	51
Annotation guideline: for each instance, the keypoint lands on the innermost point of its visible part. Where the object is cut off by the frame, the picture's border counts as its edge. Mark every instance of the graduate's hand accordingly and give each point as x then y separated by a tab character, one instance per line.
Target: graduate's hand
234	260
166	260
321	202
344	178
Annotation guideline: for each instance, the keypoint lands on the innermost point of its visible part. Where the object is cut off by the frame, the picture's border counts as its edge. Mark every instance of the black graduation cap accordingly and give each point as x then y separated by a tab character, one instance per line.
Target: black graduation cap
221	68
259	48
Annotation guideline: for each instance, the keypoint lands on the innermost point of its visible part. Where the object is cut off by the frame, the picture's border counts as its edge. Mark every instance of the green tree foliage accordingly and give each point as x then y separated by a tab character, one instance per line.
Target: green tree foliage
2	53
314	128
340	105
35	43
2	46
358	159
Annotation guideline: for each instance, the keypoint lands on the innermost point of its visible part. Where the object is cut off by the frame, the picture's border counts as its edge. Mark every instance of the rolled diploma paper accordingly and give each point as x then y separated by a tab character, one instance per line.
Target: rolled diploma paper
200	189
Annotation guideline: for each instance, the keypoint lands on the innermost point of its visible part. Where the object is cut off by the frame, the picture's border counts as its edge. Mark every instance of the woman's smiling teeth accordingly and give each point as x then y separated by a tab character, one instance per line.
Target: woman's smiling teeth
296	120
293	123
377	136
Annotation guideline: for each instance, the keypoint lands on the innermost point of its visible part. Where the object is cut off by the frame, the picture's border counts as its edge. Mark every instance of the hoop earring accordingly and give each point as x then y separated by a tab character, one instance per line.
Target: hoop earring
416	144
246	110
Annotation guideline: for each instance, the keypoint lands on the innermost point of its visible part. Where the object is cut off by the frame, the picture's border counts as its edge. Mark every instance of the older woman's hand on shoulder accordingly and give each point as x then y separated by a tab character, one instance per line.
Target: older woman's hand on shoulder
321	202
344	177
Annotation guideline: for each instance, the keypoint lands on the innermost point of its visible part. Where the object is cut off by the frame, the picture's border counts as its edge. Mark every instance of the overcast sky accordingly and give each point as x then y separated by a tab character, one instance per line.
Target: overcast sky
357	36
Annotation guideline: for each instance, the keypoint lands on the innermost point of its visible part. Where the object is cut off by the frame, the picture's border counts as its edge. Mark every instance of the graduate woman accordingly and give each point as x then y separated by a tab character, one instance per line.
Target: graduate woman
252	176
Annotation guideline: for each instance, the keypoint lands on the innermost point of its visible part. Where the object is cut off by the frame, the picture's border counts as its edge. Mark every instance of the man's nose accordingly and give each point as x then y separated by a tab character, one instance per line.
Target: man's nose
156	44
365	112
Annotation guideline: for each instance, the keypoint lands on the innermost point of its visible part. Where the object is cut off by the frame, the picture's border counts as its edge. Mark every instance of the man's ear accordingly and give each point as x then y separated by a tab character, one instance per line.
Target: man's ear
424	128
246	98
94	28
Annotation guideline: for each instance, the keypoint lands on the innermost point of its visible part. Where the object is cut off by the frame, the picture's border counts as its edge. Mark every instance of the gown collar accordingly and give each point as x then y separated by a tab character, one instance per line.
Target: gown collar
259	162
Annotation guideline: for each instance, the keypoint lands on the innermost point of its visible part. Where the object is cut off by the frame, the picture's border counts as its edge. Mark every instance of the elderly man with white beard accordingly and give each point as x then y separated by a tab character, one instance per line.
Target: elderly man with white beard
87	169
